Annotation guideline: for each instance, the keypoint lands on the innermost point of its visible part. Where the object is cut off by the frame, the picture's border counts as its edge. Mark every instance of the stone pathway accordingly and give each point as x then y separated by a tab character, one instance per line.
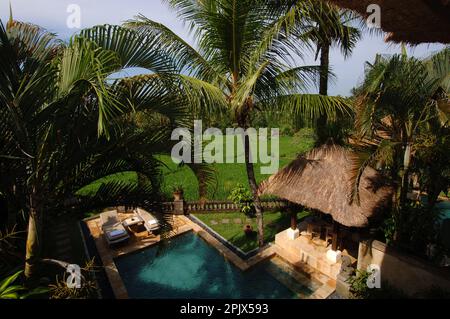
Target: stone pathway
237	221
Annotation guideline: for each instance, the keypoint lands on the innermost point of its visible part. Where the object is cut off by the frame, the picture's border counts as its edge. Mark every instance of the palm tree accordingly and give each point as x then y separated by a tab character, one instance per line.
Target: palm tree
241	64
399	97
328	26
432	156
66	122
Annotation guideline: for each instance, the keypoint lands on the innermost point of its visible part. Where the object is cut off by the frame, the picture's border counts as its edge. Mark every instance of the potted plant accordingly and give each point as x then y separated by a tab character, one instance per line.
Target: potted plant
178	192
248	230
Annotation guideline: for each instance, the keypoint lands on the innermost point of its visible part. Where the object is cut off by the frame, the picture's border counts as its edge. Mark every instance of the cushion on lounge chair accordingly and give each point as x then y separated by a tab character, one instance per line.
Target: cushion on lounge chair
151	223
113	228
116	233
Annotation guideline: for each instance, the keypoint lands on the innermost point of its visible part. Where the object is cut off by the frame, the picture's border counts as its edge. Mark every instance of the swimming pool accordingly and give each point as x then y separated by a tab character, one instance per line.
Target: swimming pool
444	207
190	268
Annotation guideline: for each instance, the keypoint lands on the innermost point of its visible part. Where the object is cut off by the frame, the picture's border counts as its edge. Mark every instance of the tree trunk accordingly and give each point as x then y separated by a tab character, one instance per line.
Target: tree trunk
254	189
33	244
405	175
322	132
324	68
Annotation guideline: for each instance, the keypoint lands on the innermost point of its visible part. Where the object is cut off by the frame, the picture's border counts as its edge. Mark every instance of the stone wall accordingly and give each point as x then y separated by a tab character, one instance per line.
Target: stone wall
181	207
404	272
302	251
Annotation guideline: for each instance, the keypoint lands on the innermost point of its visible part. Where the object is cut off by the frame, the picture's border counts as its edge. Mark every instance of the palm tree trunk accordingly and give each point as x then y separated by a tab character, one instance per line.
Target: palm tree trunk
33	240
254	189
324	68
405	175
322	133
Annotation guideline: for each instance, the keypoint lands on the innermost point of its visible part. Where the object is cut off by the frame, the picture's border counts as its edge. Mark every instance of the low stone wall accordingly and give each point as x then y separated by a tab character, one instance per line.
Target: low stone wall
404	272
302	251
182	207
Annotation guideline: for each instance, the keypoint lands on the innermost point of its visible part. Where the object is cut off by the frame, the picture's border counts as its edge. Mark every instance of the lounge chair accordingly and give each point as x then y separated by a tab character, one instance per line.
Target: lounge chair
151	224
112	228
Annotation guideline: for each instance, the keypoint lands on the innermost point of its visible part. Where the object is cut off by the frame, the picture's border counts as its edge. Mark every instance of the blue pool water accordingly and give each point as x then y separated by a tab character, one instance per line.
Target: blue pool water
190	268
444	207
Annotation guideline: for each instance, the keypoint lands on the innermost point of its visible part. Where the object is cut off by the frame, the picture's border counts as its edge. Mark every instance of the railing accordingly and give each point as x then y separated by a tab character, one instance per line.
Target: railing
168	207
216	206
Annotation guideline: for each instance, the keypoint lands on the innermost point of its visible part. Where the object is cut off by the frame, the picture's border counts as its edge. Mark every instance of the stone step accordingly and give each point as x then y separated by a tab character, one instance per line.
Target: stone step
306	277
299	289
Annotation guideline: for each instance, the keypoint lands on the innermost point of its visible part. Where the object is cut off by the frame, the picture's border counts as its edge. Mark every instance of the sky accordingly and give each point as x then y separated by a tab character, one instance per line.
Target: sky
53	15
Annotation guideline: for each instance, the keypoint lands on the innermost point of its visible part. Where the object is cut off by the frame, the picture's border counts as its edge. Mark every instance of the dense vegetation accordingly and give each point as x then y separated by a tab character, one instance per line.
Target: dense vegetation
75	136
401	106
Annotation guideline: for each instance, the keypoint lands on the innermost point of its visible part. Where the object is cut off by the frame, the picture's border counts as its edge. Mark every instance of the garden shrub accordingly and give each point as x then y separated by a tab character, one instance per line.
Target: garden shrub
244	199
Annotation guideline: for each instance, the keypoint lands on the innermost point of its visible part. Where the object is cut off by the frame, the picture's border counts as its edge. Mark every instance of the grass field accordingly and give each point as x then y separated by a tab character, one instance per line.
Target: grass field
274	222
228	175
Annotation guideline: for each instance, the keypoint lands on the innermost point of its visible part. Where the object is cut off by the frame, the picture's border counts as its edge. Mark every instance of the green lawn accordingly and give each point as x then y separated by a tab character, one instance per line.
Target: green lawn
274	222
228	175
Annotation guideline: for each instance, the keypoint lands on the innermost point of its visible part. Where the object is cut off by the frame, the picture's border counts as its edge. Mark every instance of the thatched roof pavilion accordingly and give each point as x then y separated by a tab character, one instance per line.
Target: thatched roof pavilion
321	180
412	21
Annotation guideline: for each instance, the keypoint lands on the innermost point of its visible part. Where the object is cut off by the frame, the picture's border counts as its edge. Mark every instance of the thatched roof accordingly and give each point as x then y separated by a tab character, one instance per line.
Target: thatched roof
412	21
321	180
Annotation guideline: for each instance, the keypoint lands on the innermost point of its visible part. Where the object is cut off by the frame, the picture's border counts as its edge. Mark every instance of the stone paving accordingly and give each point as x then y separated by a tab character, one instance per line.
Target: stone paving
237	221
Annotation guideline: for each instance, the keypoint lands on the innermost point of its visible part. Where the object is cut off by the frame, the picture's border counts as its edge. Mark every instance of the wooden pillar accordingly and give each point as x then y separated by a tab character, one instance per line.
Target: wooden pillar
293	213
334	241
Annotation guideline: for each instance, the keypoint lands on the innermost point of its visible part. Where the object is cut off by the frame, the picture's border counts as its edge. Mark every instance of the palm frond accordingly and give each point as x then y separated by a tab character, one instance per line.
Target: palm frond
132	48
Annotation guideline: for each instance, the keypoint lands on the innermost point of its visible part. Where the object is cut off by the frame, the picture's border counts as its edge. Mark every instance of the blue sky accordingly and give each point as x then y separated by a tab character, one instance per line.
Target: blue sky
52	14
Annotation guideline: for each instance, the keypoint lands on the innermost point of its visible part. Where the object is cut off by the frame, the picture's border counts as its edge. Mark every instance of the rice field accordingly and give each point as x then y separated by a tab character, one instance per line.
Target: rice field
227	175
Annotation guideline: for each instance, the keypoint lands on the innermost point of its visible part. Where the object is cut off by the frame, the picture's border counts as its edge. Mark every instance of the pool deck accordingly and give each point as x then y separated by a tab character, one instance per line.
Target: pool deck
181	225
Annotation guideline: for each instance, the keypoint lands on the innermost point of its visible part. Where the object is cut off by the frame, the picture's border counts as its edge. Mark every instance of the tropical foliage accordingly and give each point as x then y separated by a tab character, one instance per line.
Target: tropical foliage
242	197
68	119
325	27
10	290
71	117
400	108
242	64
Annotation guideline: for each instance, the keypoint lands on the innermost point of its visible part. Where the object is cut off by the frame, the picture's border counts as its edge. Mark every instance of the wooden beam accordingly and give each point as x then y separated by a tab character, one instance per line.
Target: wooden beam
334	242
293	218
